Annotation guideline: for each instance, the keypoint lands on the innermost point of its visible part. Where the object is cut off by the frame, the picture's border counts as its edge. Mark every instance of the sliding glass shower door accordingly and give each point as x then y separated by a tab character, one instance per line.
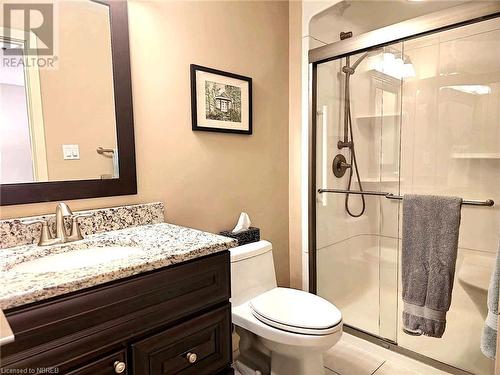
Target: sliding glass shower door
425	118
357	256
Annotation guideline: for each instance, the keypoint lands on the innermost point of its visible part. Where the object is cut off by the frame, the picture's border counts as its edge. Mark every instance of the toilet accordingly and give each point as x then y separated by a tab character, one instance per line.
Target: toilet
282	331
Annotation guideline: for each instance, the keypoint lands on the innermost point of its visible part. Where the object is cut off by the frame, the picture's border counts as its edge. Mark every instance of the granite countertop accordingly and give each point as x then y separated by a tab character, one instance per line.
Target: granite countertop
158	245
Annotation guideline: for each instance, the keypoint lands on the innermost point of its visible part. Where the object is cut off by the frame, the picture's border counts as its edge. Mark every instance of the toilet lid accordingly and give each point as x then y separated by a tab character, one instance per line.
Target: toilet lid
296	311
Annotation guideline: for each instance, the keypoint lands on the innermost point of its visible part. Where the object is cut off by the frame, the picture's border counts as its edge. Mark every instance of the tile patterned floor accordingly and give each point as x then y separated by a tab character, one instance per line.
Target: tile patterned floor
354	356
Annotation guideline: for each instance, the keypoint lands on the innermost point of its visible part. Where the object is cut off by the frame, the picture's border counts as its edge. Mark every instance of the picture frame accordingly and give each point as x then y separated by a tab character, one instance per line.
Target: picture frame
220	101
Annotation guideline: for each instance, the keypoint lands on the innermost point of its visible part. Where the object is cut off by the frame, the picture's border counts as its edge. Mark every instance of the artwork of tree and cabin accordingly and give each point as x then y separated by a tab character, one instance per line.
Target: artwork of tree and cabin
220	101
223	102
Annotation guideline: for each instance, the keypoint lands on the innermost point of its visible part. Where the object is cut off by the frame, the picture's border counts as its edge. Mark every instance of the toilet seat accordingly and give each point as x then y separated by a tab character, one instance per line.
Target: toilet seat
296	311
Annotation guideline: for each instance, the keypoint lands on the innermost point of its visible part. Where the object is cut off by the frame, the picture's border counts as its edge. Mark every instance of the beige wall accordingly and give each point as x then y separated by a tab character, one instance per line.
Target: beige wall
295	113
206	179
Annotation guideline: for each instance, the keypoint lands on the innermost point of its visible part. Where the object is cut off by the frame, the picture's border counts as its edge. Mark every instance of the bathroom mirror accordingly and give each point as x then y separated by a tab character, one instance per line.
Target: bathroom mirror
66	102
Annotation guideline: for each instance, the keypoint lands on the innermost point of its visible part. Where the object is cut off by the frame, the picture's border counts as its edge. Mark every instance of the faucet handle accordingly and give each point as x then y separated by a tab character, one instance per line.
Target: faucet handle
34	221
46	235
76	233
78	216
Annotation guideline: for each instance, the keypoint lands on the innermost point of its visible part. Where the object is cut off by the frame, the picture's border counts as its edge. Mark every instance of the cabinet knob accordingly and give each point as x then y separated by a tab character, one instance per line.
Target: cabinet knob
191	357
119	366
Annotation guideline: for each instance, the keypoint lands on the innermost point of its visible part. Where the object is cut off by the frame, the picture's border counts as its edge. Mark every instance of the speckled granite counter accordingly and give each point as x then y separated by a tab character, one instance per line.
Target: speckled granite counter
14	233
158	245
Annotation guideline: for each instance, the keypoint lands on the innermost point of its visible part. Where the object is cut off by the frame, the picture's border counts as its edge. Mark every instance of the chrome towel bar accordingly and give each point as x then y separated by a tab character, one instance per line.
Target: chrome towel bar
471	202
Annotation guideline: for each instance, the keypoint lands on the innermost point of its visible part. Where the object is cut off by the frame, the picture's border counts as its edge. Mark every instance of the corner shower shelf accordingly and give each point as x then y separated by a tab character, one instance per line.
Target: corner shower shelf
476	155
376	117
379	180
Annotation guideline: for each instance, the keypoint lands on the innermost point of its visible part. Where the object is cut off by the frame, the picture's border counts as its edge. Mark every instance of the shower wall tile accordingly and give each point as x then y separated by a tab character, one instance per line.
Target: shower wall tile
348	276
445	131
388	279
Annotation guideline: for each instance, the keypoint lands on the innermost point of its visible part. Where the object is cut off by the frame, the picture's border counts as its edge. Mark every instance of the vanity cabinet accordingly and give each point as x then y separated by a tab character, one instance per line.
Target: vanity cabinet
167	321
193	347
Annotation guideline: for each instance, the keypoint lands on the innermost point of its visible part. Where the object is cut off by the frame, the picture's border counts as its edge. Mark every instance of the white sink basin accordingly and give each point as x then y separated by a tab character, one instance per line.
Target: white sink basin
75	259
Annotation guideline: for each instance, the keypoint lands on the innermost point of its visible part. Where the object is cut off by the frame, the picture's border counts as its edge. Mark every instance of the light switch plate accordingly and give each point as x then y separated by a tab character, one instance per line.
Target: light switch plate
71	152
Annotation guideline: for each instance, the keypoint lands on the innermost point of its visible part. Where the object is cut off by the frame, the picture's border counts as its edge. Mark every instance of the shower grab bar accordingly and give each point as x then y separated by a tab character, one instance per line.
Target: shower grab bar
471	202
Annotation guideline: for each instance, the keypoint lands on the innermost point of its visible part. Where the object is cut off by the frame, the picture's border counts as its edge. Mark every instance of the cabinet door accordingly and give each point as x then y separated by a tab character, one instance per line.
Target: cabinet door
199	346
115	363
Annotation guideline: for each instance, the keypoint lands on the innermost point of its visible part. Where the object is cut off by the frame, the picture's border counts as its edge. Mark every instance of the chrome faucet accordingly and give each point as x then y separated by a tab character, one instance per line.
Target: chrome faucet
61	236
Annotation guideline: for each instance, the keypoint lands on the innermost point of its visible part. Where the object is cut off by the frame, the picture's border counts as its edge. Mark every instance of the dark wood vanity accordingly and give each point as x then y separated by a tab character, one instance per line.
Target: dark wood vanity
172	320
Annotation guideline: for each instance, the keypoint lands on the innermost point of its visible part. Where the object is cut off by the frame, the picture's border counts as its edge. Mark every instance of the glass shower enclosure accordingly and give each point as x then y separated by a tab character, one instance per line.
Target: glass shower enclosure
419	115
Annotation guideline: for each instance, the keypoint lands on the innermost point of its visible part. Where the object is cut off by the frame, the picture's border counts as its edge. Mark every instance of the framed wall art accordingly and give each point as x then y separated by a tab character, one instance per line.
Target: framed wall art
220	101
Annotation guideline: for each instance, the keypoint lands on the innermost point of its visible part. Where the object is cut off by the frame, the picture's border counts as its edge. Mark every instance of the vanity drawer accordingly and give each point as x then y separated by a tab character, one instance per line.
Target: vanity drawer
115	363
199	346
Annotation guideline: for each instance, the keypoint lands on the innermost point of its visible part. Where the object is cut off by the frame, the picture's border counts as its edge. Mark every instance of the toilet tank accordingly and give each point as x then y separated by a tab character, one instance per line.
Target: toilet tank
252	271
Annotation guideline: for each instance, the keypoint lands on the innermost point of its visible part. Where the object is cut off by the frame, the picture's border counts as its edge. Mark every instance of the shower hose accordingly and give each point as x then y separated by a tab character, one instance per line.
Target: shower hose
348	129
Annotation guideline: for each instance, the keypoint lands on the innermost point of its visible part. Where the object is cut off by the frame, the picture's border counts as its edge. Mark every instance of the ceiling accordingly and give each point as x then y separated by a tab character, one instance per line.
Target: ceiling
360	16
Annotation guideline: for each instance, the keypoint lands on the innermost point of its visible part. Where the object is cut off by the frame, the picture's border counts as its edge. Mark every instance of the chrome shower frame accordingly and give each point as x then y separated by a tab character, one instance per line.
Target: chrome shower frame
442	20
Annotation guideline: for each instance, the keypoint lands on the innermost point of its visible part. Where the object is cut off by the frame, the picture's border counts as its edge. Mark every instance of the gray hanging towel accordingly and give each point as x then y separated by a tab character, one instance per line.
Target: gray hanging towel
489	336
429	254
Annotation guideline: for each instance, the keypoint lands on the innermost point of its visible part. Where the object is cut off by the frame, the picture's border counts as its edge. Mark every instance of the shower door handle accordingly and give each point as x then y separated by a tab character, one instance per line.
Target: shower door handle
324	153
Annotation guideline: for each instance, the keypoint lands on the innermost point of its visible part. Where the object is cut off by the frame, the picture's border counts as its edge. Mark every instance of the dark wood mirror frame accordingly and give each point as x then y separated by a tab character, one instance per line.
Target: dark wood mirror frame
127	182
